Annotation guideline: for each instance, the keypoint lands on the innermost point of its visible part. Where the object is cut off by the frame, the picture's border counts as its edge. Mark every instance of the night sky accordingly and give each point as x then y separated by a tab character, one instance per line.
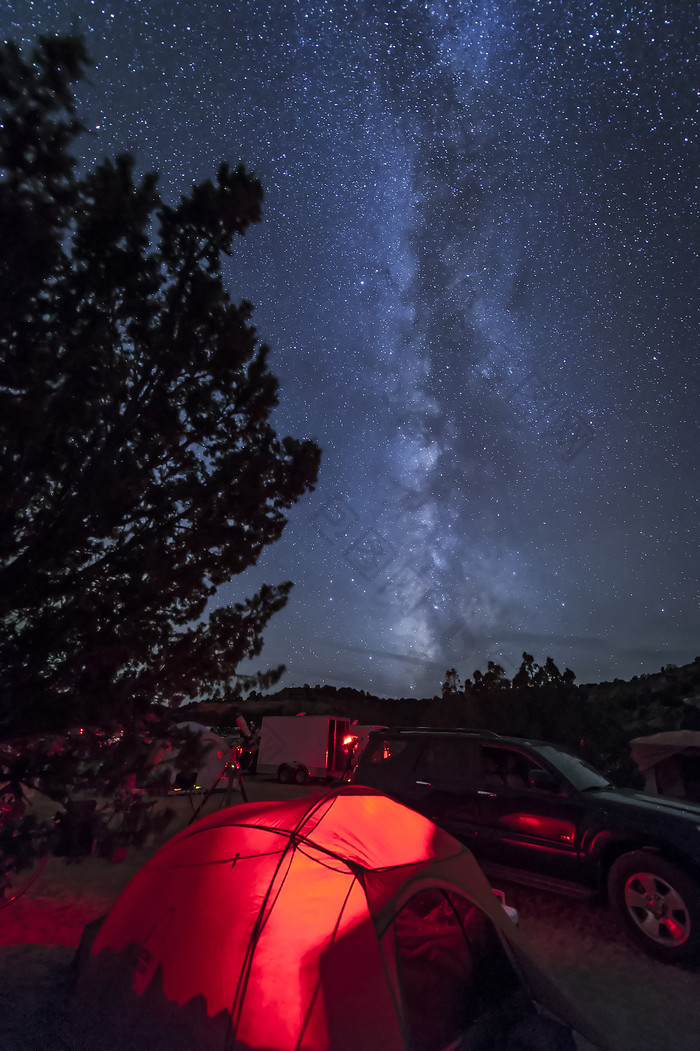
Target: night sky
478	274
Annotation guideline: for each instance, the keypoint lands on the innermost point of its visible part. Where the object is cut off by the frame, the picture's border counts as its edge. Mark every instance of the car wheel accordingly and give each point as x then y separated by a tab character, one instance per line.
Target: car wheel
285	775
658	903
301	775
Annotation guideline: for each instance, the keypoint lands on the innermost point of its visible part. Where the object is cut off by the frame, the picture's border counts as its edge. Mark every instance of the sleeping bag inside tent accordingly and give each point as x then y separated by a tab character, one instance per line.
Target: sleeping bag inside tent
337	922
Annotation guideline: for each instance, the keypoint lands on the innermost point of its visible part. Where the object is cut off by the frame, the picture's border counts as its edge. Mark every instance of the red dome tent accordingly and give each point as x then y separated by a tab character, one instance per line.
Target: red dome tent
329	922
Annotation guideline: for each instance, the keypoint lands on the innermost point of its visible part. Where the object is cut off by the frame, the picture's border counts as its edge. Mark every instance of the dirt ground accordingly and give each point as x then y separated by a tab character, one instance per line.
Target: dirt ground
641	1005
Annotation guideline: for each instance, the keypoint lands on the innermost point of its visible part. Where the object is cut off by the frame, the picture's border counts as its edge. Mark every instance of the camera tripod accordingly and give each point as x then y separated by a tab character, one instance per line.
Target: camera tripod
231	770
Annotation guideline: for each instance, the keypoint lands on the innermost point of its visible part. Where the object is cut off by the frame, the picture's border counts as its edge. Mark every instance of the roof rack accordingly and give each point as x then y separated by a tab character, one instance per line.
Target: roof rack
466	730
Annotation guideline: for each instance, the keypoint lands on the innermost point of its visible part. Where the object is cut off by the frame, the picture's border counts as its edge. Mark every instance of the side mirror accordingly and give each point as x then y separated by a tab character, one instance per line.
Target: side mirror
543	780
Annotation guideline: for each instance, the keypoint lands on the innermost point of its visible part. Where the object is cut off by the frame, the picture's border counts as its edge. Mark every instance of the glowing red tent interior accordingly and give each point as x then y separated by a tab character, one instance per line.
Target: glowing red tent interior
292	925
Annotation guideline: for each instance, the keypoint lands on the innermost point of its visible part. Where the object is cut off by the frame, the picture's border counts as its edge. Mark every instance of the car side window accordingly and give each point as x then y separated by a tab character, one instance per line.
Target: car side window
448	762
383	750
508	768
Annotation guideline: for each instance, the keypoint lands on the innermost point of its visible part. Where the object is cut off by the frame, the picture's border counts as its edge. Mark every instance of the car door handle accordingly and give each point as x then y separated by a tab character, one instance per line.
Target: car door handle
428	784
481	792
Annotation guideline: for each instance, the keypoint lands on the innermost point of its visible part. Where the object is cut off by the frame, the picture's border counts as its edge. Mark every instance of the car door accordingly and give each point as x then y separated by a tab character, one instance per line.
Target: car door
526	817
445	780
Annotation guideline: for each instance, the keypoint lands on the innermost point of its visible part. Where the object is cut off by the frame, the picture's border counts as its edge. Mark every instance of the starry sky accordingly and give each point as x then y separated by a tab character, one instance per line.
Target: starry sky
478	274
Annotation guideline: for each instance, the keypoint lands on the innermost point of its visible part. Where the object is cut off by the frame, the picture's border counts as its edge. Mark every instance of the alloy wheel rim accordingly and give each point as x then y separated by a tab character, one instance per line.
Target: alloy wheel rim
657	908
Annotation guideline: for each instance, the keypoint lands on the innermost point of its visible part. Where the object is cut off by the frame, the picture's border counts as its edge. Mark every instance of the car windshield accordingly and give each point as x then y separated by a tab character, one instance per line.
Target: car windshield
575	770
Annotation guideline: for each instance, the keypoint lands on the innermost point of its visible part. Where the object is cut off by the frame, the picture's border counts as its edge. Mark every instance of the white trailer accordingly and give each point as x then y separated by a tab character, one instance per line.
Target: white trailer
295	748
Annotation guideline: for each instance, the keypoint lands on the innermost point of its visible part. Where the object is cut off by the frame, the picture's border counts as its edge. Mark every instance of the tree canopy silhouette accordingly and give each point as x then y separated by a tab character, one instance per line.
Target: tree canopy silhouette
530	674
139	470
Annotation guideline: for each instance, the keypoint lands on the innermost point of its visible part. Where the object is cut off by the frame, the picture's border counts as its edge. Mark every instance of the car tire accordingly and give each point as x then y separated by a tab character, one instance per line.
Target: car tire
658	903
285	775
301	775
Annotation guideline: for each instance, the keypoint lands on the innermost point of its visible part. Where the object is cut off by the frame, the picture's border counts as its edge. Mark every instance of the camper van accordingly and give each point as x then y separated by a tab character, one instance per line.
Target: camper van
298	748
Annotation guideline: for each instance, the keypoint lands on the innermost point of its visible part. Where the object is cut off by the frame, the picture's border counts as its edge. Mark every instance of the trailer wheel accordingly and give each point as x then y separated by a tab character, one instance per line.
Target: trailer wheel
285	775
301	775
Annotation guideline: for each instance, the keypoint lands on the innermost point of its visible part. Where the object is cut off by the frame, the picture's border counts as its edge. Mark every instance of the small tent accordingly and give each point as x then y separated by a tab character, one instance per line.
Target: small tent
214	756
670	762
338	922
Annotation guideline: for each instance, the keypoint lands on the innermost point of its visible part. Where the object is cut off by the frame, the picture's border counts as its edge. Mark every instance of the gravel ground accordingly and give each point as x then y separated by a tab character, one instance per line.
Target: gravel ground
641	1005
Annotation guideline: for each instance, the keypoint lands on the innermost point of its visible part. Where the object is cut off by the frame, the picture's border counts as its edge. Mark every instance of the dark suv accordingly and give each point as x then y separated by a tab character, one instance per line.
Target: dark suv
535	814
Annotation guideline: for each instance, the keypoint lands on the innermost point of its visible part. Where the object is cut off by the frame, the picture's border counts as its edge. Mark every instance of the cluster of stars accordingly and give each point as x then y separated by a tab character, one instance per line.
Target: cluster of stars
478	273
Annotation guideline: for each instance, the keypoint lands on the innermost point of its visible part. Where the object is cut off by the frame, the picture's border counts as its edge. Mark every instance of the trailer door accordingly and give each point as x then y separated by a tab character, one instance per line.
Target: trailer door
336	755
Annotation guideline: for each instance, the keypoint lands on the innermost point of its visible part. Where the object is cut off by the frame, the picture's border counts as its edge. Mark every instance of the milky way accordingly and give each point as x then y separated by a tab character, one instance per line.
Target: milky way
478	274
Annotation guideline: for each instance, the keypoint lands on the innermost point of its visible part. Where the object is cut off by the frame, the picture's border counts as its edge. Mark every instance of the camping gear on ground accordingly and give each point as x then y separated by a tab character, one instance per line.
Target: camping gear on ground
670	762
335	922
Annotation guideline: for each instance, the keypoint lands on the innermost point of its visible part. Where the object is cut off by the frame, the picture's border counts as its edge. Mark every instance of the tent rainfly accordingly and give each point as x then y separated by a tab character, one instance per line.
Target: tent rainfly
335	922
670	762
214	755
